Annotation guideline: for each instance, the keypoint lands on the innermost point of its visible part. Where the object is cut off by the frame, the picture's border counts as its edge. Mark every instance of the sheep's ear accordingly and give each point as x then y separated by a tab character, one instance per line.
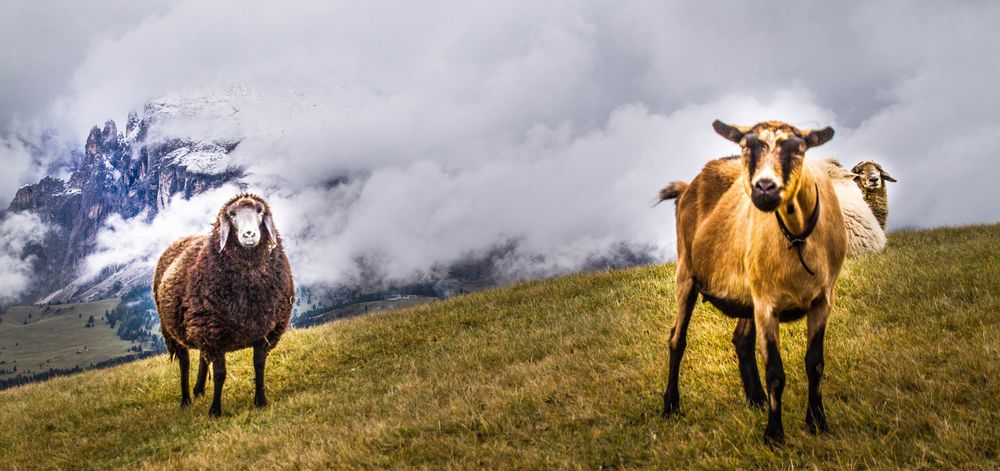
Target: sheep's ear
886	176
855	176
224	227
269	224
732	133
818	136
856	169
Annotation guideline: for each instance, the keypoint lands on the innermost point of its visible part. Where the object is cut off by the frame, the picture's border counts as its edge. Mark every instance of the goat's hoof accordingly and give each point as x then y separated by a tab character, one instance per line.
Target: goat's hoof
260	402
671	406
185	401
774	441
816	426
198	393
775	437
757	403
215	411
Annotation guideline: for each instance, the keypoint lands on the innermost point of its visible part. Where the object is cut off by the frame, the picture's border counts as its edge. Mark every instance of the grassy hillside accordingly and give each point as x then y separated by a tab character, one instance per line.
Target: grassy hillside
568	373
359	309
54	337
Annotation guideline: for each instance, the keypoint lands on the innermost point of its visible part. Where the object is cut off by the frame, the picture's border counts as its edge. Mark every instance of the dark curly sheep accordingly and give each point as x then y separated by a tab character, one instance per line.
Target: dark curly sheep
223	292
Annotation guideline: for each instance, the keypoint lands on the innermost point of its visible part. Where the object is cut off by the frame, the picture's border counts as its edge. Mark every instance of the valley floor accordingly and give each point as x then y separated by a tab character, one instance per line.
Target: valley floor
567	373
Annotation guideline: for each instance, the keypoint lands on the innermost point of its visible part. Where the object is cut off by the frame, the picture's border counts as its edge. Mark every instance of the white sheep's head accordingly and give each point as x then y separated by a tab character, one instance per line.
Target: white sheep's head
247	216
870	175
773	153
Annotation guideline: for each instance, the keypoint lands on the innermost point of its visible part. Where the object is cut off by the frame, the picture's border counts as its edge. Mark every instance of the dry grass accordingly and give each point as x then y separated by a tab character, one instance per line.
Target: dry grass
567	373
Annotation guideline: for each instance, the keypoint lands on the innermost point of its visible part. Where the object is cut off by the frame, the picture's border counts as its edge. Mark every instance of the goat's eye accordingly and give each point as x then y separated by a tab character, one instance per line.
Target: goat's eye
792	145
232	214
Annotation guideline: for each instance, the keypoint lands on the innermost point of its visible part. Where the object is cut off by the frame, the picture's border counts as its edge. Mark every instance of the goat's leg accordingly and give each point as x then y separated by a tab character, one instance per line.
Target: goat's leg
259	360
744	338
774	371
183	358
817	316
199	384
219	373
686	297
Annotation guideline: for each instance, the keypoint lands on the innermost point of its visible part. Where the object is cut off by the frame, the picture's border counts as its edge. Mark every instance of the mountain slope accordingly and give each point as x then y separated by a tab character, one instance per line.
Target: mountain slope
568	372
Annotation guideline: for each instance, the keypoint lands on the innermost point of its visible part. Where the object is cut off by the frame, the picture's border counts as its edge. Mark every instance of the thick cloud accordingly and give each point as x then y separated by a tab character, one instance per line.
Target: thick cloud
458	126
42	43
137	242
17	232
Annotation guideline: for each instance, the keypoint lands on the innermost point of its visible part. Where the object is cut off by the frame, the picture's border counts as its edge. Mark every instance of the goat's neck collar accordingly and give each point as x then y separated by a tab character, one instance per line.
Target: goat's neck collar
797	239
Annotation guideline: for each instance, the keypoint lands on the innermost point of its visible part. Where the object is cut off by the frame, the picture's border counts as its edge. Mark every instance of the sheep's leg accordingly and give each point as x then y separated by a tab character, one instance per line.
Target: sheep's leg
774	371
184	360
686	297
259	360
744	338
817	316
199	384
219	373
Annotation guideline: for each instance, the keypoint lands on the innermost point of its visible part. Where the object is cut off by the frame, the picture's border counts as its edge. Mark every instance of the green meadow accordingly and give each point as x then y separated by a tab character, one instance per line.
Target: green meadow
41	338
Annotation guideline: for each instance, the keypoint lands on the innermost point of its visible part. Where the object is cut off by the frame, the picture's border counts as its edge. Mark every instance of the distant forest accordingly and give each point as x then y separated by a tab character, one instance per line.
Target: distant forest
52	373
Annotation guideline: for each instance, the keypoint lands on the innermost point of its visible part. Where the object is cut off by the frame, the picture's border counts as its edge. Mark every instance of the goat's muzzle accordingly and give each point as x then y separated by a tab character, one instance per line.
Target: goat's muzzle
766	195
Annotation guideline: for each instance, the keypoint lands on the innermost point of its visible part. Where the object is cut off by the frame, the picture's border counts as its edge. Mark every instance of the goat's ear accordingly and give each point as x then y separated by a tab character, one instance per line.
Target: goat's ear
269	225
732	133
886	176
224	227
856	169
818	137
855	177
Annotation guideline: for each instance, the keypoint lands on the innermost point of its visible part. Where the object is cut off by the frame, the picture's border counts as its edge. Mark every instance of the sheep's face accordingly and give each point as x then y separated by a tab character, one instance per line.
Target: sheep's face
246	218
773	153
870	175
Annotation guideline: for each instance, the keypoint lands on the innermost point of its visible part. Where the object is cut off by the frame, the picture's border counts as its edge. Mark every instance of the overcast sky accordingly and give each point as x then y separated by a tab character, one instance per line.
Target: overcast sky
464	124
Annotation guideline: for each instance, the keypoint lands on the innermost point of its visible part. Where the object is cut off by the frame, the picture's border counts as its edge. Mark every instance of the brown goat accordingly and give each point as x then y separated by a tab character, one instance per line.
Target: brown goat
226	291
761	237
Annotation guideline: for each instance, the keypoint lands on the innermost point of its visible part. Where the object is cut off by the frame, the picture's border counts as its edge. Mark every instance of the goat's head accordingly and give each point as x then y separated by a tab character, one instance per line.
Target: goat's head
773	154
870	175
248	215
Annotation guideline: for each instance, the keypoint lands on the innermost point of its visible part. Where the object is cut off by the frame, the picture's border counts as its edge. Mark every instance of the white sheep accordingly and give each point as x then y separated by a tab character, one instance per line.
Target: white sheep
864	233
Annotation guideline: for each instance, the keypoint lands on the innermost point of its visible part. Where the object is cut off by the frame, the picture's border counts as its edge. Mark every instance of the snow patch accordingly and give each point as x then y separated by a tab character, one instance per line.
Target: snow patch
70	192
204	159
